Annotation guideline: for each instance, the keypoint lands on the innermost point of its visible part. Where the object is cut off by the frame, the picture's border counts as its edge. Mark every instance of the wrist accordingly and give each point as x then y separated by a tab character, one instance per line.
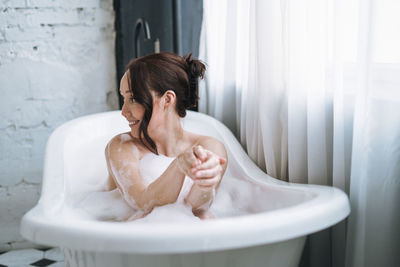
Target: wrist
179	166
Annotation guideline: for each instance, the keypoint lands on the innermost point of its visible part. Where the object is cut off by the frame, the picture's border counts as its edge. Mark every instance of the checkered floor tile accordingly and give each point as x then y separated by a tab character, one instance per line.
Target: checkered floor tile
50	257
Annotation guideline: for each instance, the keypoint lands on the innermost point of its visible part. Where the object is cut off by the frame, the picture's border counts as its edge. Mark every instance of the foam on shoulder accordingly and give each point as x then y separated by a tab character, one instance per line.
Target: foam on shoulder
234	197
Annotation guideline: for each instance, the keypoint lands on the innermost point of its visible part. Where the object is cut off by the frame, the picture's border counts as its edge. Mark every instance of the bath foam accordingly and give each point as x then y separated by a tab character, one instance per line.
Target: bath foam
152	166
107	206
89	197
125	137
282	214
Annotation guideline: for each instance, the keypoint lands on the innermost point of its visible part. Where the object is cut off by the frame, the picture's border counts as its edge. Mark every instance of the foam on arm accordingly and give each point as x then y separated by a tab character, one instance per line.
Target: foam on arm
201	198
123	165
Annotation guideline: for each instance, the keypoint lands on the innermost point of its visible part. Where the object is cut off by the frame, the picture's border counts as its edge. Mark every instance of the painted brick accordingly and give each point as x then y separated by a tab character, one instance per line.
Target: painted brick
53	16
15	34
63	3
12	3
52	55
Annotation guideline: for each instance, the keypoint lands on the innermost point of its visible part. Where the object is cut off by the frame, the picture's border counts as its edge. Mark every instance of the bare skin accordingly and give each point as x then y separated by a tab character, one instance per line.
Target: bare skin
202	158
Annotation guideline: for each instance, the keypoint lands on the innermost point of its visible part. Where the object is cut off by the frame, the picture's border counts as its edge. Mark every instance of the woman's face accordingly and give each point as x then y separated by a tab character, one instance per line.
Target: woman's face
131	110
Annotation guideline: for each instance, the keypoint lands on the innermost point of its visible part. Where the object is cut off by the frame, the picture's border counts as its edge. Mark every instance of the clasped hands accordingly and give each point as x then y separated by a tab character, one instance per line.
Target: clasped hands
202	165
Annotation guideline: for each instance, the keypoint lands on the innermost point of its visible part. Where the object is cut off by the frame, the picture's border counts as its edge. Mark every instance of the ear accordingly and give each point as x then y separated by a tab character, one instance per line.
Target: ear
169	99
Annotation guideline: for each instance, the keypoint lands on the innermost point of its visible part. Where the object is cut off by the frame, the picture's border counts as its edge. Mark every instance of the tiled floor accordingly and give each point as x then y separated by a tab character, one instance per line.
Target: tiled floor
51	257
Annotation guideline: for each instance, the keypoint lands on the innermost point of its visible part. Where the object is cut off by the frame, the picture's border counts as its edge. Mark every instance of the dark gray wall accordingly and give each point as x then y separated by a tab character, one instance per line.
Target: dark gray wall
176	23
191	15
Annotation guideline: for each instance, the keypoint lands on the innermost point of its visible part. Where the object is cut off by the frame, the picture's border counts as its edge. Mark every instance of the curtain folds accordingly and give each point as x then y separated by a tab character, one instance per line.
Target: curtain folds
311	89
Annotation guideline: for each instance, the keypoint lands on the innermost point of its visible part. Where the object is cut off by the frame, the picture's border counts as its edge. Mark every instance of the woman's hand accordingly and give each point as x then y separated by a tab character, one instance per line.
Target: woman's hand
187	161
209	173
202	165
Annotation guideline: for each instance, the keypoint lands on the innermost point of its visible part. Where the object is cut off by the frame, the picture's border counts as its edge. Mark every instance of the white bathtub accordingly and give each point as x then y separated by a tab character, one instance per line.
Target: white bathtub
282	214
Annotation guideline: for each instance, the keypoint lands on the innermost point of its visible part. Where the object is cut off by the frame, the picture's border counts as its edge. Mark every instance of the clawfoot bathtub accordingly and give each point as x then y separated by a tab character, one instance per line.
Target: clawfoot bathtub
266	224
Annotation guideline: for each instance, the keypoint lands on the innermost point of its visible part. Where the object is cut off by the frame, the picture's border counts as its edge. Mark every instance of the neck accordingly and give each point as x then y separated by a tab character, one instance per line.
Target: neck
170	138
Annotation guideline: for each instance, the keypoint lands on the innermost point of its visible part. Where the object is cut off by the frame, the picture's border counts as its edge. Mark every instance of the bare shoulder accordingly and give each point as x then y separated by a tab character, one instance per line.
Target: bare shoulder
123	146
122	156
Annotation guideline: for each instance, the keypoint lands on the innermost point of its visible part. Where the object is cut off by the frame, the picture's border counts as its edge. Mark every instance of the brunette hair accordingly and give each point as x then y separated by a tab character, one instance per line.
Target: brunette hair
159	73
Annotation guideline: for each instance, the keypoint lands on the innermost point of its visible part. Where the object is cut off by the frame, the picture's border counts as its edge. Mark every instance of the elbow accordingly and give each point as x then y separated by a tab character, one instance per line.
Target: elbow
200	203
151	198
147	202
144	203
139	200
201	210
146	208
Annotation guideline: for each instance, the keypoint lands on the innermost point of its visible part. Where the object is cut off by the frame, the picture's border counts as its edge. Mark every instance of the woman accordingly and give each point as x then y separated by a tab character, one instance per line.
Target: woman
157	89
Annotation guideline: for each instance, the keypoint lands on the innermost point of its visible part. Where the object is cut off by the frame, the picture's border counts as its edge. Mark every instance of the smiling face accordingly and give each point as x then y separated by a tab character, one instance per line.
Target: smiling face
131	110
134	111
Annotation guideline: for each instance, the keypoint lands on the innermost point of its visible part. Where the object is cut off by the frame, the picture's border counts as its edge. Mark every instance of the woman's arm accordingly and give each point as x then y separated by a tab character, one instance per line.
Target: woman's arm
209	174
123	165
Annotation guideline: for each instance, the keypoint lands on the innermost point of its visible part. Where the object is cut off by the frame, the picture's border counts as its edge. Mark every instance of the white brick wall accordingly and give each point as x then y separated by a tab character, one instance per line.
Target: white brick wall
57	62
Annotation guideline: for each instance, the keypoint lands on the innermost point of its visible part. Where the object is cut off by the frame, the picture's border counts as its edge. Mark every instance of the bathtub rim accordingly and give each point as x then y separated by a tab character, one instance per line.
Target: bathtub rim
37	227
210	235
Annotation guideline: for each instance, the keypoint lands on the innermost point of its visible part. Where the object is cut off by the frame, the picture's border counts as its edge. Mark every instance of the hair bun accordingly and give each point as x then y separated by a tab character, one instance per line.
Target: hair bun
195	69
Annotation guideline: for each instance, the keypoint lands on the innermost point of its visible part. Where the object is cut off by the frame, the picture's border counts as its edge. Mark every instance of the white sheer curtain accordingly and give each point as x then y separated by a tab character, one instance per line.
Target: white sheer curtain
311	88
